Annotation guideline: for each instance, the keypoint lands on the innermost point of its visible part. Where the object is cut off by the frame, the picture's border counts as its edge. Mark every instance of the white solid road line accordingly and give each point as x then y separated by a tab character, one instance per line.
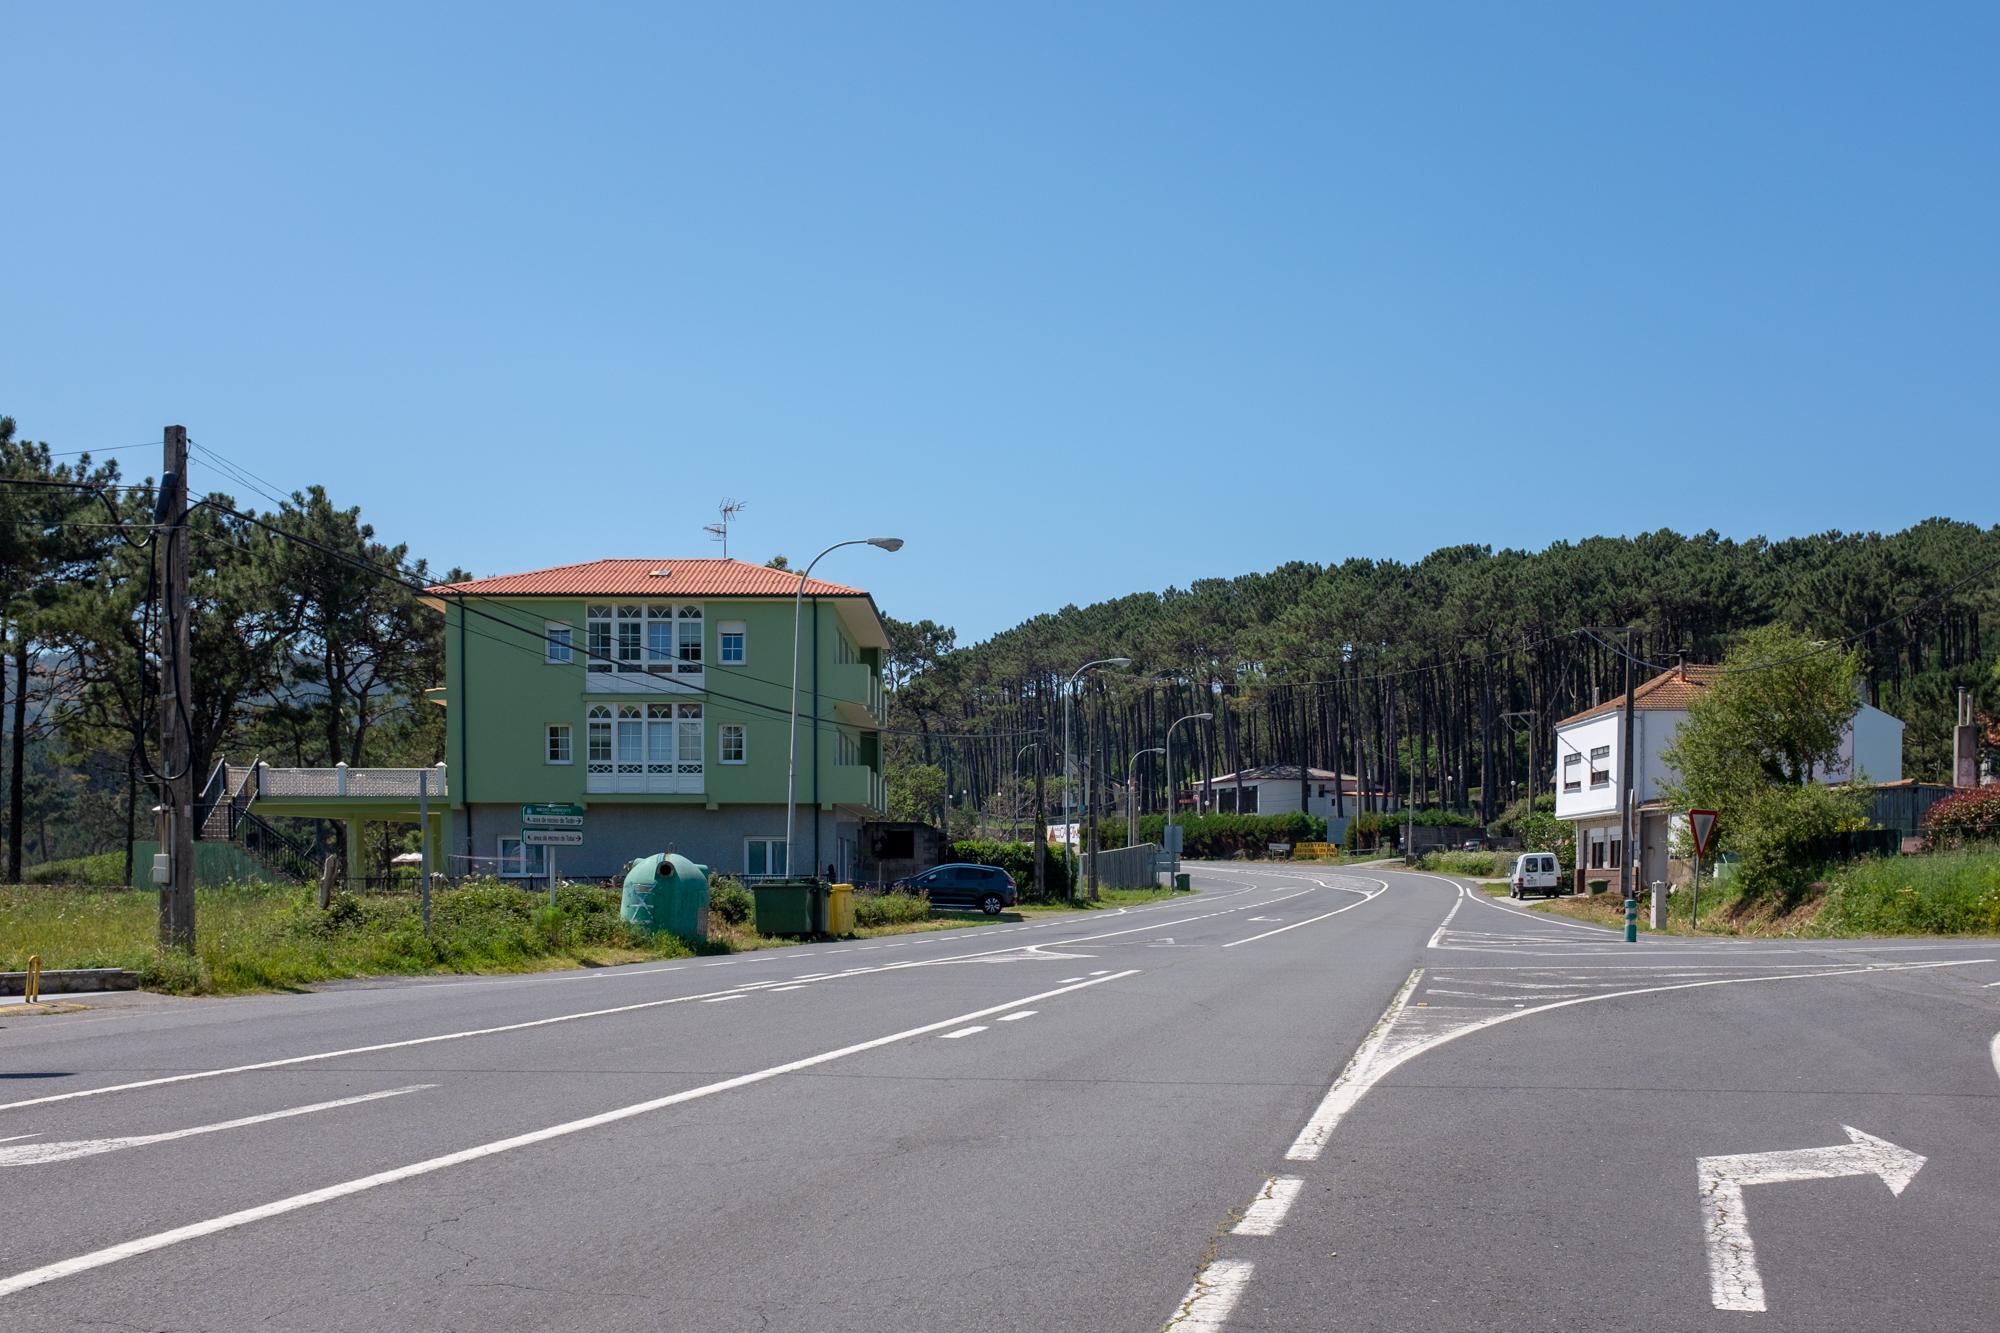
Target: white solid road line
796	985
83	1263
718	999
1352	1084
1995	1052
1363	1072
1366	898
1438	934
1266	1212
1018	1015
39	1154
1209	1302
962	1032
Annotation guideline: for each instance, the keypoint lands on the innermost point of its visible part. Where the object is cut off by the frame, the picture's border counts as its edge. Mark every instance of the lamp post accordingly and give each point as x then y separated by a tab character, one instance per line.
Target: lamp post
1019	794
1069	838
1132	794
1171	799
792	736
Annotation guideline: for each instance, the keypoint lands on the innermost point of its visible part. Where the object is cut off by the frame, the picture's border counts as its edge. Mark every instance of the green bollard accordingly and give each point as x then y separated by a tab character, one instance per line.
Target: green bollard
1631	920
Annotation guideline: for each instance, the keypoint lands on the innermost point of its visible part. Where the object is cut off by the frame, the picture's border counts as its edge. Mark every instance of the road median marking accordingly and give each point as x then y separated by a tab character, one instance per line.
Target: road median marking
40	1154
1266	1212
1212	1299
130	1249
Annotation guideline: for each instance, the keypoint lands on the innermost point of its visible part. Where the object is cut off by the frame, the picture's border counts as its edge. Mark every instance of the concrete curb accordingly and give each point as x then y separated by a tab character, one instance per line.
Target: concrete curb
58	981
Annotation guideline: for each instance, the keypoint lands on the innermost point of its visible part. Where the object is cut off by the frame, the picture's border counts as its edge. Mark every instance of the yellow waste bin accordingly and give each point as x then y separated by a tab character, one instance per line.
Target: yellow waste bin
840	909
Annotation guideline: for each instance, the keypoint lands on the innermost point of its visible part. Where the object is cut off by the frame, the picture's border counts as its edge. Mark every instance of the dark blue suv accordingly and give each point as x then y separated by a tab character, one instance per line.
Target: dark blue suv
987	888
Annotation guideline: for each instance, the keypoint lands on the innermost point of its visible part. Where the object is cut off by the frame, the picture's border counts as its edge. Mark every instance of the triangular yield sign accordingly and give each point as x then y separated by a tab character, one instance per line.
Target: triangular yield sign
1701	825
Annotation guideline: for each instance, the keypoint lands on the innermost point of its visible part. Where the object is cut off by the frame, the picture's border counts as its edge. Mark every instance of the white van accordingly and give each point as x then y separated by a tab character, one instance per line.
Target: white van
1535	872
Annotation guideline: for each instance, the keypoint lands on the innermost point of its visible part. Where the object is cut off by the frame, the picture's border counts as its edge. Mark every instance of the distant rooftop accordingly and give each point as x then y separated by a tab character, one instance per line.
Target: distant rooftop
1669	692
649	578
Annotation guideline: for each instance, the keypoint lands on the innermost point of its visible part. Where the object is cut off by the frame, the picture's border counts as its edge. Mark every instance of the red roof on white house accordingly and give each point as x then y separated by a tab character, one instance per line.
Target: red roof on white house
649	578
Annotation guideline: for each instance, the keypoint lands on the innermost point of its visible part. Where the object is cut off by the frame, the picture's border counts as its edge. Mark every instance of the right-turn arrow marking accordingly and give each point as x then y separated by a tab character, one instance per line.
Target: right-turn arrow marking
1734	1283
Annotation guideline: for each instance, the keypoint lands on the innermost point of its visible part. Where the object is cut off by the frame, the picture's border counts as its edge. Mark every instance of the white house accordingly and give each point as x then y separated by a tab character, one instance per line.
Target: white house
1274	790
1589	759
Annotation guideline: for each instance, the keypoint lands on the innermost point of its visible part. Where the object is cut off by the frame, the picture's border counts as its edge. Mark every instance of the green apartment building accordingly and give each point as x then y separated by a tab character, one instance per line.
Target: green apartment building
656	694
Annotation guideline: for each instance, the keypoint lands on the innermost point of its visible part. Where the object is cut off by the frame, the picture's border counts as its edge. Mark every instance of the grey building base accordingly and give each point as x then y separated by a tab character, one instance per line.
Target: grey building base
615	835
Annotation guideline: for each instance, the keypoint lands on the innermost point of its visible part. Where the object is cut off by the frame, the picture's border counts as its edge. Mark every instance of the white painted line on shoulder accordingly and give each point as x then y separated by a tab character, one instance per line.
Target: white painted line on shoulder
161	1240
1066	980
1212	1299
14	1137
1996	1053
1100	971
796	985
1266	1212
1349	1087
1018	1015
1311	919
721	999
962	1032
38	1154
1438	934
1991	984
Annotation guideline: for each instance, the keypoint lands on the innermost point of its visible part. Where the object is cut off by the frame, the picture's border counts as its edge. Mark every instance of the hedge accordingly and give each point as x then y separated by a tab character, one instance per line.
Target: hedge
1210	836
1963	818
1017	859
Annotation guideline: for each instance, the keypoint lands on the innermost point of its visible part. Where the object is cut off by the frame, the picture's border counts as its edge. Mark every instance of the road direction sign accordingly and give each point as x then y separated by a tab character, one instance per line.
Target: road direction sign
1733	1280
551	837
1701	826
551	816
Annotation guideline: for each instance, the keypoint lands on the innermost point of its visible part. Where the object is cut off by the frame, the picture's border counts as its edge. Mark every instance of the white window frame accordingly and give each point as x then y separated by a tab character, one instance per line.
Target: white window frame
1572	761
740	631
1600	777
773	847
722	738
558	642
525	862
550	733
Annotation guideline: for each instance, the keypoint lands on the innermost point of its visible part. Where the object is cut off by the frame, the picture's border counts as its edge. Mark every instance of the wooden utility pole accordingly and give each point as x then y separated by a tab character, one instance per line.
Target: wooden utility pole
176	742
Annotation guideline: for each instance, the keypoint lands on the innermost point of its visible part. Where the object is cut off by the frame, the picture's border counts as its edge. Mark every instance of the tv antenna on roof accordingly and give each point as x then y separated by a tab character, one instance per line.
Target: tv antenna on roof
729	509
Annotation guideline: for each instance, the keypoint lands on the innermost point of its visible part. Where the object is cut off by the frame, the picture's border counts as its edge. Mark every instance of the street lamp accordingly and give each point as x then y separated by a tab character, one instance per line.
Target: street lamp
1069	837
1132	794
1171	799
1019	794
792	737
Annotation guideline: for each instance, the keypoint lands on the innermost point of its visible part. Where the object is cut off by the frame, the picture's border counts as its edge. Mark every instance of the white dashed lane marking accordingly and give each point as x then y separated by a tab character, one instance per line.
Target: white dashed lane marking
962	1032
1018	1015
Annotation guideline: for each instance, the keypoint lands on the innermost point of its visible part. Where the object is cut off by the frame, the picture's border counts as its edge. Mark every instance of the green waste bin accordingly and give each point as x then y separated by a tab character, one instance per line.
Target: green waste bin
668	893
790	907
1183	882
1598	885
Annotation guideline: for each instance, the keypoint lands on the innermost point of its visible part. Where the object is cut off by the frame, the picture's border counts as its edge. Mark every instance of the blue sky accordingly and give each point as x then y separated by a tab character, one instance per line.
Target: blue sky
1079	300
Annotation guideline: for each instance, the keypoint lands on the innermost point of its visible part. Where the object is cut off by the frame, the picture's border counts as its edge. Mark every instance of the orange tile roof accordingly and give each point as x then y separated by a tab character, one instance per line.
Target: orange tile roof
643	578
1668	692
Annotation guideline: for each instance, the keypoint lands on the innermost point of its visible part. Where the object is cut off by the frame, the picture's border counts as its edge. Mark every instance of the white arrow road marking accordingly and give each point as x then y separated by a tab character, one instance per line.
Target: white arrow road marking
1733	1280
38	1154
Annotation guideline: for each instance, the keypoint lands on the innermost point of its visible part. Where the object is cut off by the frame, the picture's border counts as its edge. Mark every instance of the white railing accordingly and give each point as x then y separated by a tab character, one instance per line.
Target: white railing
354	783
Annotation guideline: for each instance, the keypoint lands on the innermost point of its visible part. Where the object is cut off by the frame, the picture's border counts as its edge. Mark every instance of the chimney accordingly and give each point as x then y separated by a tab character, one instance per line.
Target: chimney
1965	745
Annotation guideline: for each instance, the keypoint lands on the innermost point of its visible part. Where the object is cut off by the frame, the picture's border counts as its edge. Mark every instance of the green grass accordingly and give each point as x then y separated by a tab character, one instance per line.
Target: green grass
256	937
105	870
1478	865
1945	893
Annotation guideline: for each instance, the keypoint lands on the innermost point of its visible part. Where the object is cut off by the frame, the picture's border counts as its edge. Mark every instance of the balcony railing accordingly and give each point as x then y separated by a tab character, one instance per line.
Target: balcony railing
352	783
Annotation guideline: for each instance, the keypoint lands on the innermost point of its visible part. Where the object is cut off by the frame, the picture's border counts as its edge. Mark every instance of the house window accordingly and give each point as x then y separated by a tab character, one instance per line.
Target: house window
729	639
1597	851
763	858
631	738
1572	772
1600	766
659	638
558	750
557	645
599	721
628	628
1617	846
729	741
688	639
522	862
597	638
688	725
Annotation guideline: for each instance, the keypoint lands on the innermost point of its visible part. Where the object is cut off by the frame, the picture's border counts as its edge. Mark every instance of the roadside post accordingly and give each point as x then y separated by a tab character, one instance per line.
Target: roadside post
1701	828
1659	905
1632	920
31	986
424	826
551	826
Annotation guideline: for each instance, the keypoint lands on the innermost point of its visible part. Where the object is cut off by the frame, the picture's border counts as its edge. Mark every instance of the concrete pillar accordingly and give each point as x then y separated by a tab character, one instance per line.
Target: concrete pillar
354	864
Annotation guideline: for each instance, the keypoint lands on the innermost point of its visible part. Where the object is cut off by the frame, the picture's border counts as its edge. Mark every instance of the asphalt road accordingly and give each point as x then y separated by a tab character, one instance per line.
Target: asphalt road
1302	1099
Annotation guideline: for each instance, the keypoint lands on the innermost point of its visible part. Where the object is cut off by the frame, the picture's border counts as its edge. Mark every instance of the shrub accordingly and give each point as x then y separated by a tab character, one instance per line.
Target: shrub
1948	893
888	909
1017	859
1221	835
105	870
1478	864
1543	832
1963	818
1782	832
728	901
